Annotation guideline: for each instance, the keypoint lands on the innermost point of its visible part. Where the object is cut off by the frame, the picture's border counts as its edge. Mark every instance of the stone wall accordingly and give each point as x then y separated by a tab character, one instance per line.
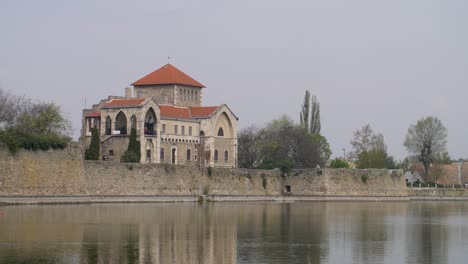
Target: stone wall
438	192
64	173
346	182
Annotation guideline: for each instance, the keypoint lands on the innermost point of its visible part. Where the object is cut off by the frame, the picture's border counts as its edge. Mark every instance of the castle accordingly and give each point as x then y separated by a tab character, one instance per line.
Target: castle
171	124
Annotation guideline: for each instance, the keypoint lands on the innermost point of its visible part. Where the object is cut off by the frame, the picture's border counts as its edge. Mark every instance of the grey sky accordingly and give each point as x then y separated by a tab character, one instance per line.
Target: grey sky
387	63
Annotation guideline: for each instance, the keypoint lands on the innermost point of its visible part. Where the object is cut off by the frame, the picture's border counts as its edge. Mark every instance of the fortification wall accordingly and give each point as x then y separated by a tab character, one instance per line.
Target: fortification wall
64	173
347	182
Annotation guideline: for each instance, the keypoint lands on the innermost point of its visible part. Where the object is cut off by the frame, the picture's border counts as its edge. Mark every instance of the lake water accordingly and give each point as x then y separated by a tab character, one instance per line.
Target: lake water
301	232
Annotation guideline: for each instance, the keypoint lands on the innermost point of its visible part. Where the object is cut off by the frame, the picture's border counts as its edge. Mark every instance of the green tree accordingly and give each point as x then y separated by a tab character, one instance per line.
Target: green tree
426	139
283	143
369	149
315	125
304	115
133	153
92	153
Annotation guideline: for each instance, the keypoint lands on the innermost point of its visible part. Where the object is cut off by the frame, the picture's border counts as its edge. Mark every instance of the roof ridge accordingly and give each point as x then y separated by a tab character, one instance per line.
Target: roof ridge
168	74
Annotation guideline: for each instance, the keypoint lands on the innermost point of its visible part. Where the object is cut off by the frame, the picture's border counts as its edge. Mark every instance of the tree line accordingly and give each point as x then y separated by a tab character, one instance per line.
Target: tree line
31	125
284	144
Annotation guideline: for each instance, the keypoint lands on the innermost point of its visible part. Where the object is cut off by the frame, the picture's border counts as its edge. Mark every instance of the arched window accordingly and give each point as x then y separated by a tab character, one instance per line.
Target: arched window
121	123
188	154
220	132
216	155
150	120
161	154
108	125
226	155
133	122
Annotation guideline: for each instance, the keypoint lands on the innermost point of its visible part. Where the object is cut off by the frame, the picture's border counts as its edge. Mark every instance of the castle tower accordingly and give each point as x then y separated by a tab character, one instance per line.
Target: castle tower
169	85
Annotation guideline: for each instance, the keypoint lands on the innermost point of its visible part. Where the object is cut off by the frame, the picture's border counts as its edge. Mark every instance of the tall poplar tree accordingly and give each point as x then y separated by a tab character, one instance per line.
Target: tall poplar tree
304	115
315	117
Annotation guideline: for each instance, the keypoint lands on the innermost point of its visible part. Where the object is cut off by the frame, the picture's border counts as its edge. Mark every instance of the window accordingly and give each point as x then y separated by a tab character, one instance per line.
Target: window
133	122
195	157
176	128
216	155
183	130
162	154
89	125
188	154
226	155
220	132
111	152
189	131
164	128
150	120
108	125
121	123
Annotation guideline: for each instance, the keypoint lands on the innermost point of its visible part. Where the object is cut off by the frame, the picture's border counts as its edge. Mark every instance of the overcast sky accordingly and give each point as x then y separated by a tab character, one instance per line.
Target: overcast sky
386	63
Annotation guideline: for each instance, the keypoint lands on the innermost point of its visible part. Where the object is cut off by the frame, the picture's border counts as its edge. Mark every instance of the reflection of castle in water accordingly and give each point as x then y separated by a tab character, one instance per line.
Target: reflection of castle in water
161	244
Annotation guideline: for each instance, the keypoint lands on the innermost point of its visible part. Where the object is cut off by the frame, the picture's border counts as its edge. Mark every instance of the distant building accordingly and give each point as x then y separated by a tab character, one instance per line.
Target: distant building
172	125
455	173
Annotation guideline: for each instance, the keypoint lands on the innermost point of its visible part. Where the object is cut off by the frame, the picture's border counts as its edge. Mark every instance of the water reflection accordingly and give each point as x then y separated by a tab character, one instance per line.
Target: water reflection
309	232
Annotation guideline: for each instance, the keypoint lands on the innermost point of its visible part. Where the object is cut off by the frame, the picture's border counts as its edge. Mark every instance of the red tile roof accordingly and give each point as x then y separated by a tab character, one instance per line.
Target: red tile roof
93	114
183	112
124	103
168	74
202	111
174	112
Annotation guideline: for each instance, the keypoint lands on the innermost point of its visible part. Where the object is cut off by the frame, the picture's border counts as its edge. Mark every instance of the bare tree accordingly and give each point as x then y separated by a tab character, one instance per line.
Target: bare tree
427	138
369	149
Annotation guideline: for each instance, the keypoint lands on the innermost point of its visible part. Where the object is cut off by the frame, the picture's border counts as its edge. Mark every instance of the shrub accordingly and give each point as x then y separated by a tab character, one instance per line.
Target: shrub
364	178
209	171
9	141
92	153
338	163
285	165
130	156
133	153
15	140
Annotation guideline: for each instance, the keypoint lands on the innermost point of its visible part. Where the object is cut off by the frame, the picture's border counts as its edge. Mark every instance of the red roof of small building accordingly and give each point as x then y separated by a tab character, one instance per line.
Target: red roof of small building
124	103
183	112
168	74
93	114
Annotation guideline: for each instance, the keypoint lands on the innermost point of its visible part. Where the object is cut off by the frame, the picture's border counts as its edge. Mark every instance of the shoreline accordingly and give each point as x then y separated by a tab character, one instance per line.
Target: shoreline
32	200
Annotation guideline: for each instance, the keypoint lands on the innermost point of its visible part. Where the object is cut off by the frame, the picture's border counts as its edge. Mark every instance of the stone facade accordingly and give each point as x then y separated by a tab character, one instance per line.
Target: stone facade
171	124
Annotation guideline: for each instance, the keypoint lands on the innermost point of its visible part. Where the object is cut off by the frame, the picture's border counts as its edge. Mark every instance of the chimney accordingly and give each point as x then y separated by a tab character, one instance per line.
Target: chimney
128	92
